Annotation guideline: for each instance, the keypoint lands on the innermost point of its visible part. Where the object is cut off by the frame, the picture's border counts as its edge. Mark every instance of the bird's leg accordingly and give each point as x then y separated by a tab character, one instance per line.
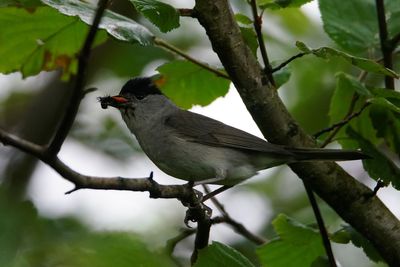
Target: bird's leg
196	209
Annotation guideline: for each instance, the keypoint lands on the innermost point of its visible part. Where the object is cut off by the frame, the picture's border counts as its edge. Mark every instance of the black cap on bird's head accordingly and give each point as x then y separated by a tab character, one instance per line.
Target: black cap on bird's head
138	87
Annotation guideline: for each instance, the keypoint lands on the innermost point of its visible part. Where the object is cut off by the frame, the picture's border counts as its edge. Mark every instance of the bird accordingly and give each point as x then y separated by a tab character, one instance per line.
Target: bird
197	148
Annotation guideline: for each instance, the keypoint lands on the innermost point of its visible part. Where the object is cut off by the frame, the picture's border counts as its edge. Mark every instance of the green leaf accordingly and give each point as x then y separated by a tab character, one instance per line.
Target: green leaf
118	26
353	84
243	19
282	76
164	16
387	125
42	39
342	97
21	3
250	37
351	24
277	4
187	84
341	100
220	255
392	10
296	246
112	249
65	242
391	95
380	101
362	63
380	167
348	233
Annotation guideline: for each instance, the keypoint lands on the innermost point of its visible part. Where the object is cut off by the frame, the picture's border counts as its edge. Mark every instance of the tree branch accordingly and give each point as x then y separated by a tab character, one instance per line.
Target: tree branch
78	92
181	192
386	47
341	191
257	26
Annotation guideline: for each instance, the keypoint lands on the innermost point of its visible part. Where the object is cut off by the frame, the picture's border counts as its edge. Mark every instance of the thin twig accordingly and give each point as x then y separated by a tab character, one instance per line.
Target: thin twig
321	226
342	123
238	227
162	43
78	92
216	192
280	66
385	43
171	243
257	27
187	12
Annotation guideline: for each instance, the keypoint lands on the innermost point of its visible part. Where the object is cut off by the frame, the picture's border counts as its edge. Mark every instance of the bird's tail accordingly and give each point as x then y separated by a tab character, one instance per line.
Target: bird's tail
304	154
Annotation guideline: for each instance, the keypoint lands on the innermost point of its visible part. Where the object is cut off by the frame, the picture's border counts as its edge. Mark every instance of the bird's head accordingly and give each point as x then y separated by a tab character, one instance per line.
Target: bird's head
135	89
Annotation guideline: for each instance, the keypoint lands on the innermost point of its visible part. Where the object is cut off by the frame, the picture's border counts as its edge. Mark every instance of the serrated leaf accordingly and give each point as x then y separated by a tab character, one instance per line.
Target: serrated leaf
380	167
221	255
42	39
250	38
164	16
277	4
243	19
362	63
351	24
187	84
348	233
296	246
118	26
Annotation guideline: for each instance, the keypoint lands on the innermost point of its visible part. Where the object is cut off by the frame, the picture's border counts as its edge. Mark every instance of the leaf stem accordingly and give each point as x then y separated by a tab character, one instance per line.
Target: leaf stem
164	44
282	65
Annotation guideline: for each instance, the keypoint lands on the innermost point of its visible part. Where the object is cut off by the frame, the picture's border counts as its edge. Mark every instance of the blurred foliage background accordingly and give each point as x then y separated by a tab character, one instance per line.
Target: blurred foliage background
40	226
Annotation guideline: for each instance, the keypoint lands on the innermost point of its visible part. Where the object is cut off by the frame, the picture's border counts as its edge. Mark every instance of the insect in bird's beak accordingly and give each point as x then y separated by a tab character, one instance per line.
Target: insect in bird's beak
114	101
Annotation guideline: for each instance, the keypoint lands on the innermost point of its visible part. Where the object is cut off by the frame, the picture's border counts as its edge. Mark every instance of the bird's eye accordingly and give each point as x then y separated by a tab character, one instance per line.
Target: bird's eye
140	96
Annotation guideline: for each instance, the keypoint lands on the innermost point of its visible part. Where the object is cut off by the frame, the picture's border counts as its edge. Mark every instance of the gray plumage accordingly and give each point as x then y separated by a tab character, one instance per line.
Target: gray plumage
194	147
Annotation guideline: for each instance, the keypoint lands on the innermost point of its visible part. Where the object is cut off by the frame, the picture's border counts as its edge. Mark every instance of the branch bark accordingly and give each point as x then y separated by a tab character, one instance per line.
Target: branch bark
343	193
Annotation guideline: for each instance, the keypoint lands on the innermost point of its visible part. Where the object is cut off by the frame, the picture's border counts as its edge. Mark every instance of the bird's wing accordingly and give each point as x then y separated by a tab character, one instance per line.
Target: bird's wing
204	130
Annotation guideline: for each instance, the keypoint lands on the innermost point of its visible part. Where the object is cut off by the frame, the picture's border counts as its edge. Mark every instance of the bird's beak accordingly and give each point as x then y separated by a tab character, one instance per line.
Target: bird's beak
114	101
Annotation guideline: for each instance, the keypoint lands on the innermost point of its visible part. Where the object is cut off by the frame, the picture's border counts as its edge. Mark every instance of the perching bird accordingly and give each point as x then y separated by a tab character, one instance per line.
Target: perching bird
196	148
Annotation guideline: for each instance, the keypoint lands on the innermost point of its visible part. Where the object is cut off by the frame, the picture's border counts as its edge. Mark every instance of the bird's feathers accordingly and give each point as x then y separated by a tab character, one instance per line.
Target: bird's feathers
204	130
